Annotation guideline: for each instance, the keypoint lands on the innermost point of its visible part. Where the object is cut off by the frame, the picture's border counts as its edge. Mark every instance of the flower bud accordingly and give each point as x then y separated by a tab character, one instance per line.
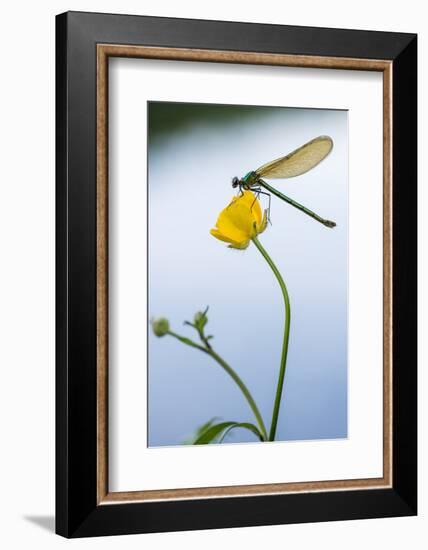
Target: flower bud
160	326
200	319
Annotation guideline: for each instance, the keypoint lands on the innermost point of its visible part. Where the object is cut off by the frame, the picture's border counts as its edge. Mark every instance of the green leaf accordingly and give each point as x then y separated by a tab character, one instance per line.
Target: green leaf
245	425
205	426
213	431
200	430
222	429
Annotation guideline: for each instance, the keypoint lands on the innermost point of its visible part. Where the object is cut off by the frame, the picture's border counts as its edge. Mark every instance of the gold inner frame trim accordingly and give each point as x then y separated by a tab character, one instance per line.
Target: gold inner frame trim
104	51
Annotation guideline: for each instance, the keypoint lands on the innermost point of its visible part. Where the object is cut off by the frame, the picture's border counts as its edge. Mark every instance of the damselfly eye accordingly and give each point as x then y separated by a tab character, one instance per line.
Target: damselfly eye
235	182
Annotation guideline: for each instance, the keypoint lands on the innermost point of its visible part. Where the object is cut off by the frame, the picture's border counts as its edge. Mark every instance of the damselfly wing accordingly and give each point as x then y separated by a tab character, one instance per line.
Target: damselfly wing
299	161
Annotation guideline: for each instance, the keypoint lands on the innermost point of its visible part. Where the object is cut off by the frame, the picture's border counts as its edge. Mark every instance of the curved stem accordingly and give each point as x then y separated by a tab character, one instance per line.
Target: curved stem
242	387
283	363
209	351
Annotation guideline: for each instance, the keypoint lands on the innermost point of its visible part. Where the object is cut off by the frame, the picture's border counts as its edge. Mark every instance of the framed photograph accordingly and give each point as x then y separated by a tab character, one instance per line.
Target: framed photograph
236	274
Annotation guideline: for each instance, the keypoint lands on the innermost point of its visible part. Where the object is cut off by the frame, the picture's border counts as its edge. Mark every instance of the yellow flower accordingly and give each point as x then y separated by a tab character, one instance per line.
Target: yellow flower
239	222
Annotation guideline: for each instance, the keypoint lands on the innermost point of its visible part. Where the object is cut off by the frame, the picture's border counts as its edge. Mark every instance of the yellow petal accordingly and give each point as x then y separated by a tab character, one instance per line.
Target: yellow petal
218	235
247	197
257	209
254	204
240	221
241	246
263	225
235	221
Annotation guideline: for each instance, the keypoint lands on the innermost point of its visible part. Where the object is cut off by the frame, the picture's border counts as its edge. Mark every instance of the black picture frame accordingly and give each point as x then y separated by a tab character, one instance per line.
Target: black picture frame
78	513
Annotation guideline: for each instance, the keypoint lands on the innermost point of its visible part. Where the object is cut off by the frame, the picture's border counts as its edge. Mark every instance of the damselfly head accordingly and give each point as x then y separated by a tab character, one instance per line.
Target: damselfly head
235	182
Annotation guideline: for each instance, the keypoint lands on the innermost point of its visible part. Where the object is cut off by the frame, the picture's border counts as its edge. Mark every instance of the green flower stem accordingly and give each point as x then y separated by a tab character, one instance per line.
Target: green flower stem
283	363
209	351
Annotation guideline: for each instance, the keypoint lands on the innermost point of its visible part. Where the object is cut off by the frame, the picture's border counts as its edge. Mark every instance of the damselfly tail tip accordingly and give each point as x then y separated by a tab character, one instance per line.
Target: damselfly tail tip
328	223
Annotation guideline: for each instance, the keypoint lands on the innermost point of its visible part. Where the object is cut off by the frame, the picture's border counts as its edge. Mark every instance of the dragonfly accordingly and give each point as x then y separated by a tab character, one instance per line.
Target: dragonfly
294	164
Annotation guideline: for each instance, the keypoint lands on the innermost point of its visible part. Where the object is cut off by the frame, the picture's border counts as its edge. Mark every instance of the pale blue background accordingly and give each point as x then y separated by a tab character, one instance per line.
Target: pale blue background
193	154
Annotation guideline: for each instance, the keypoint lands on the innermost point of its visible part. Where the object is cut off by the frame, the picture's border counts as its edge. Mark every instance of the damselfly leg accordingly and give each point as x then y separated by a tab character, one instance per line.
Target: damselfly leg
258	191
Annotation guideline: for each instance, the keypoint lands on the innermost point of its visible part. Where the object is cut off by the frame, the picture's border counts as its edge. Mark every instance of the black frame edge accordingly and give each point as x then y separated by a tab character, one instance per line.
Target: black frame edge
157	517
257	37
61	446
76	277
405	274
